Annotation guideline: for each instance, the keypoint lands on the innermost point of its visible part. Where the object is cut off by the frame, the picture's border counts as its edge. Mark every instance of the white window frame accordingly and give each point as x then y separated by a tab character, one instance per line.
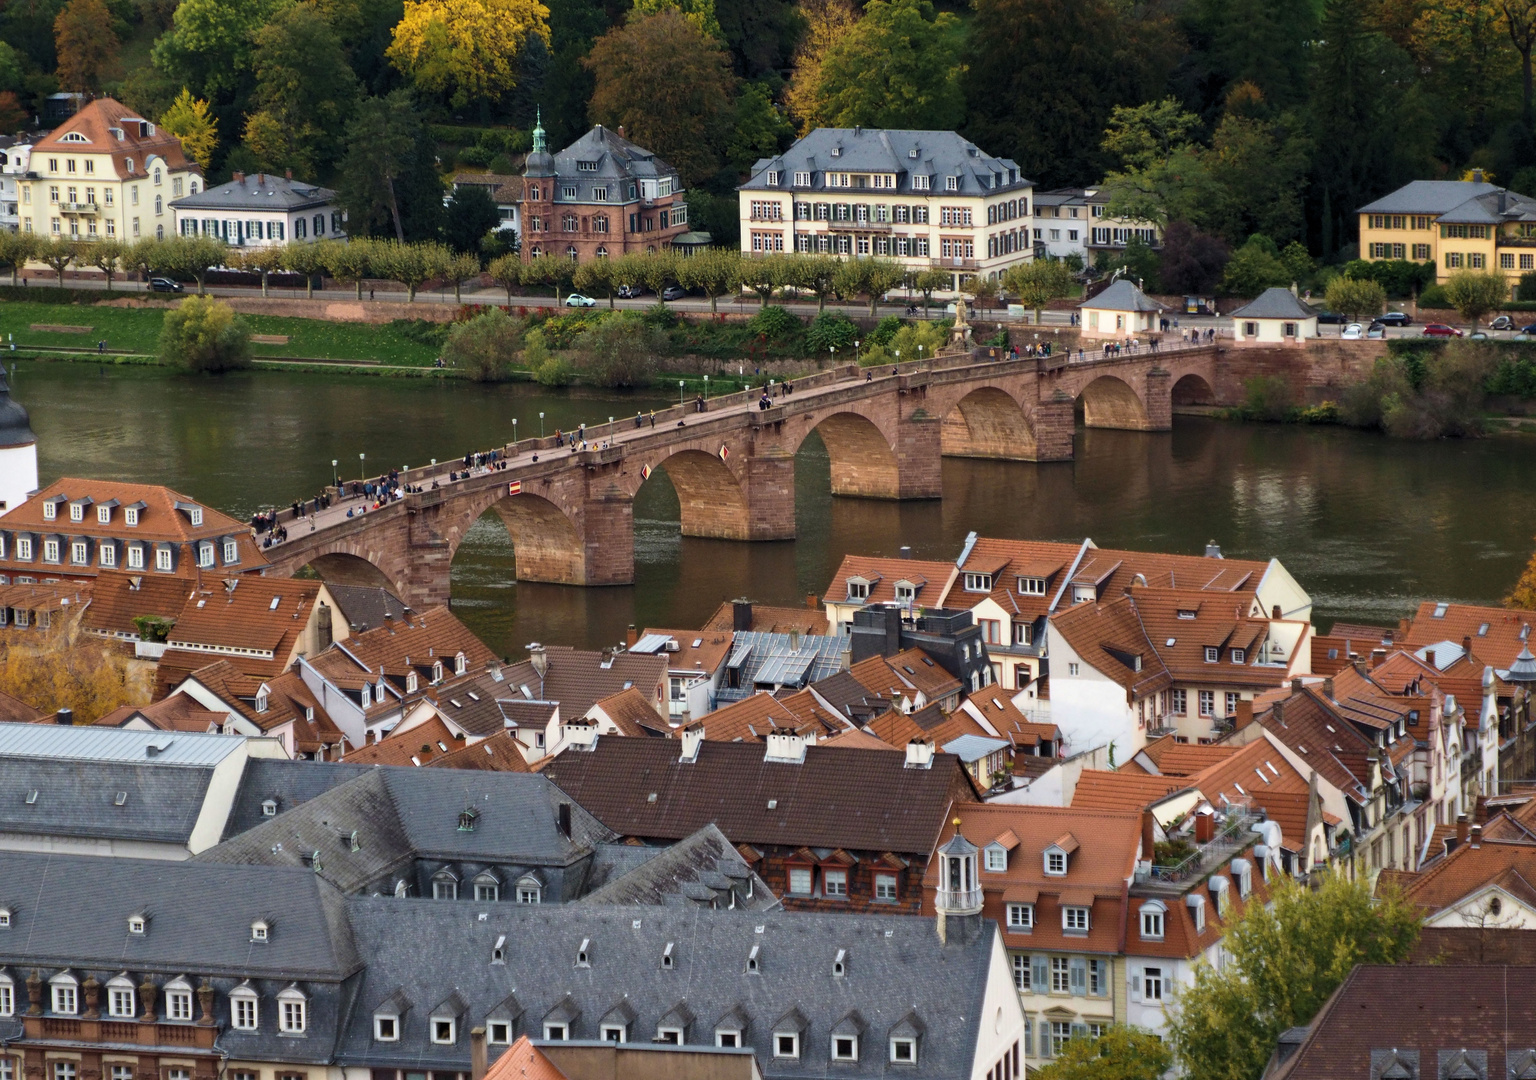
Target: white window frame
616	1033
445	1030
1154	922
1152	984
834	883
1212	654
499	1032
794	876
881	881
293	1013
244	1010
163	558
122	1001
557	1032
178	1004
1055	862
789	1050
383	1034
721	1035
845	1048
1021	917
7	997
64	996
900	1042
1076	919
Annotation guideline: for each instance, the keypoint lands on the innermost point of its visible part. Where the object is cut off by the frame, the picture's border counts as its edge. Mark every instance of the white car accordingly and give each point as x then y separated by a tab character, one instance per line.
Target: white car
1353	332
577	300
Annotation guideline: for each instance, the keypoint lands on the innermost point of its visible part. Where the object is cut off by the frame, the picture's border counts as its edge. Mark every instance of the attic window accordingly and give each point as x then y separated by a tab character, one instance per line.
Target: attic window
666	957
269	808
840	965
467	818
1238	656
583	959
5	918
1031	586
752	966
120	798
1186	613
978	583
1212	654
259	930
137	924
499	952
1440	610
275	601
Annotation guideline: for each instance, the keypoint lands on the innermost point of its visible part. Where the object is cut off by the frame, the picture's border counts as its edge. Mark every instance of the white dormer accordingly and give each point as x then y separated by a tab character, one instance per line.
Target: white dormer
906	591
437	671
1057	856
410	682
138	924
858	588
460	664
1196	903
260	930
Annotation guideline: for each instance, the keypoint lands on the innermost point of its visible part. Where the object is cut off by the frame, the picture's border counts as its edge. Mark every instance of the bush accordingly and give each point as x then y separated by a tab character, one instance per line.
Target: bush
885	330
484	347
548	369
1424	393
1399	277
1268	398
1434	296
1527	288
1326	412
562	331
774	323
205	335
476	157
621	351
830	330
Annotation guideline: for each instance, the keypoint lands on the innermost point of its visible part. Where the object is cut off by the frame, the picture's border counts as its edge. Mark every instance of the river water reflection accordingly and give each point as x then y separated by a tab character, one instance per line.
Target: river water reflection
1367	525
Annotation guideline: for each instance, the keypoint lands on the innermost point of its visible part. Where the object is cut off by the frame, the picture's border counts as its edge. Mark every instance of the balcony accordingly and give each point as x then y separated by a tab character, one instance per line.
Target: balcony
120	1032
79	208
959	899
859	226
1232	837
955	262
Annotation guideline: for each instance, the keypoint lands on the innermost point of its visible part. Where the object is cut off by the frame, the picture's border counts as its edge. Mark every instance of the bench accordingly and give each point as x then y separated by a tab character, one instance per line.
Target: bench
269	339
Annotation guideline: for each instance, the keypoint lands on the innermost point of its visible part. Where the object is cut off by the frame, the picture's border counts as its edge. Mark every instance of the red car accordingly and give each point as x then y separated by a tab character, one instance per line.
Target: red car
1441	330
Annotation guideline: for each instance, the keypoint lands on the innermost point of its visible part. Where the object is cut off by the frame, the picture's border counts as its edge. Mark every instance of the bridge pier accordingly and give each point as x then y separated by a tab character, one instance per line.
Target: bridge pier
770	496
608	542
920	457
1055	427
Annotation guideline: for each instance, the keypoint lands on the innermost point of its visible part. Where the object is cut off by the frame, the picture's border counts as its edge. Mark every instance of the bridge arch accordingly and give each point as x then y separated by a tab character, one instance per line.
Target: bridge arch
863	461
1109	402
1193	389
988	423
710	499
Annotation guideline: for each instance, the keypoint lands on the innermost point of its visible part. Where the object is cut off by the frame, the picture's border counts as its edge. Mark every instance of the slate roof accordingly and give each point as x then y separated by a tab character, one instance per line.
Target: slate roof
287	783
906	153
363	607
79	798
896	967
577	678
706	859
73	911
614	159
835	798
1368	1023
850	698
1123	295
1427	197
401	814
1274	303
259	191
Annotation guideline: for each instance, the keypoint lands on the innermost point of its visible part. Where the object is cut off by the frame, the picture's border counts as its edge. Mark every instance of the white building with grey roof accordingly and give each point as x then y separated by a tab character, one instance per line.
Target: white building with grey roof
928	199
264	210
1274	317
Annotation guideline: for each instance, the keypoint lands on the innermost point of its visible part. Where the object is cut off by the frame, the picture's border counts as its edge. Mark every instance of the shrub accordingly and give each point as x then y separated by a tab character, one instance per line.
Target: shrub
485	346
1527	288
774	323
562	331
1268	398
1434	297
885	330
548	369
476	157
1423	394
621	351
1000	339
203	334
1326	412
829	330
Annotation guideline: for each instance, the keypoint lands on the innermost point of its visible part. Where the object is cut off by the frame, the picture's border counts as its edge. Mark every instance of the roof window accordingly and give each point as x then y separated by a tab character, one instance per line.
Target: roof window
1440	610
583	958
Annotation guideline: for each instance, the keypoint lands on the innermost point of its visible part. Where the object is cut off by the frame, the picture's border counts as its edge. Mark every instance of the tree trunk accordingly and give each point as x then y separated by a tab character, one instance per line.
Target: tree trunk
457	299
394	209
309	287
264	283
359	288
410	292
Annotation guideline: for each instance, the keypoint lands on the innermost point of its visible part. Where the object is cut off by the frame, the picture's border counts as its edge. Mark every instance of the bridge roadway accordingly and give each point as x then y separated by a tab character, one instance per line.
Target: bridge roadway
570	514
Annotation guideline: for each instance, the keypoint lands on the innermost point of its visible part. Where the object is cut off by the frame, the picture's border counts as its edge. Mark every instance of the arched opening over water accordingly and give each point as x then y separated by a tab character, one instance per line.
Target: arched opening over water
988	423
1193	390
861	459
1108	402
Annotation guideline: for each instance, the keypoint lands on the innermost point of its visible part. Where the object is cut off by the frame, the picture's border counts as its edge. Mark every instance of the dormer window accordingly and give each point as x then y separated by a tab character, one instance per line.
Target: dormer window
1153	921
410	682
951	183
50	510
231	552
76	511
445	886
437	671
5	918
903	1051
196	515
1238	656
1196	904
997	858
1212	654
858	589
443	1031
386	1028
122	1002
269	808
205	555
244	1009
460	664
137	924
980	583
1021	917
178	1000
65	994
845	1048
906	592
1031	586
1055	862
130	516
1074	919
467	818
1187	613
104	515
293	1012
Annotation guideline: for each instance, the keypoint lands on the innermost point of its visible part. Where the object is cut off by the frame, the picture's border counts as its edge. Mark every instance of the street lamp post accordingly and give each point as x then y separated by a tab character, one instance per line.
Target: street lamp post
514	433
679	393
706	388
362	466
541	425
336	473
856	344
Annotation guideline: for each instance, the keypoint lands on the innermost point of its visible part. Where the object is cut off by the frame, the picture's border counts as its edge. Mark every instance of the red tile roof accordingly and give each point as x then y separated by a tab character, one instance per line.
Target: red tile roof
930	579
100	121
1467	869
776	620
1100	790
632	713
418	746
499	753
1497	634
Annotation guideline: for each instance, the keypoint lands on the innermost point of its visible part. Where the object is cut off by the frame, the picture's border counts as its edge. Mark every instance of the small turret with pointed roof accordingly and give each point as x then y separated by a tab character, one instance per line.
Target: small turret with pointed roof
1523	670
18	450
539	162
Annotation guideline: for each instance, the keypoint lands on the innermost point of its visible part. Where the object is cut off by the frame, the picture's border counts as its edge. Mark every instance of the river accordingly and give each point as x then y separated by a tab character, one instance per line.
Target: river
1368	525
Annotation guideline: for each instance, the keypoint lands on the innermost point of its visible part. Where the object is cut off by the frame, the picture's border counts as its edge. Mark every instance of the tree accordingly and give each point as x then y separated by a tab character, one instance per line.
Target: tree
485	346
205	335
188	257
1043	76
12	113
208	49
713	272
1261	169
267	260
669	86
466	49
595	278
507	271
928	282
189	120
86	45
382	146
306	260
1254	267
457	269
57	253
1474	293
1523	596
106	255
880	277
1283	961
471	214
1164	175
547	368
701	13
1192	261
763	274
1519	18
304	87
819	274
67	671
621	350
549	270
349	261
660	270
900	67
1038	282
412	265
16	249
629	271
1121	1053
827	23
758	130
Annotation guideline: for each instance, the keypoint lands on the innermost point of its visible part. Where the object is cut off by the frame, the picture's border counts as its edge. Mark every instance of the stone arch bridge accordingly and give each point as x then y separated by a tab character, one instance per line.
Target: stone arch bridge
571	518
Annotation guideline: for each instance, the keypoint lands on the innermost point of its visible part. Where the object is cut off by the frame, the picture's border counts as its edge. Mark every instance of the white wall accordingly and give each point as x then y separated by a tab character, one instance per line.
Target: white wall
1089	708
18	475
1001	1023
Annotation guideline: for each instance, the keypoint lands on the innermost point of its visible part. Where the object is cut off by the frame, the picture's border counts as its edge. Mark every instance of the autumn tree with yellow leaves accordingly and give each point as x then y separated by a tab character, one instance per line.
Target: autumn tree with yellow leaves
1523	596
466	49
190	121
60	669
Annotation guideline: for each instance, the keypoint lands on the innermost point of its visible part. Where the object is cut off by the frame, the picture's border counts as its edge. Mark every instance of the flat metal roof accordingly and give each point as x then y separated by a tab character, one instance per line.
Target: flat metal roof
65	742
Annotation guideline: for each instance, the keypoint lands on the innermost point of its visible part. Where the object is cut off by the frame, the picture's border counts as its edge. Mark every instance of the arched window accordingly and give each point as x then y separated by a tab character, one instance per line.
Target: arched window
293	1011
570	253
445	886
568	222
602	252
460	664
487	887
64	990
122	1004
244	1008
535	251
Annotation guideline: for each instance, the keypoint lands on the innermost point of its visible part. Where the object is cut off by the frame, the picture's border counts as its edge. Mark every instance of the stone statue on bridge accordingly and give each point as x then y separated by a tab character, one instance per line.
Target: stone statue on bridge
960	333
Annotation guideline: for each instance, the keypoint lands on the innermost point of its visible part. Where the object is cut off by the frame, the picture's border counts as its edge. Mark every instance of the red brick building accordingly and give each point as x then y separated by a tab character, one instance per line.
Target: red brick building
600	197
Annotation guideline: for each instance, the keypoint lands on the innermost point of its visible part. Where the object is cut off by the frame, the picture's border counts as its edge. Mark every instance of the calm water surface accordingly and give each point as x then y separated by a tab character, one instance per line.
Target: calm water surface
1368	525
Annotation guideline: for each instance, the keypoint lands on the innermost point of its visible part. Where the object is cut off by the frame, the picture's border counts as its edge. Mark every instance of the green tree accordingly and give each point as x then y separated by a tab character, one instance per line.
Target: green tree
347	261
1121	1053
190	121
86	44
1254	267
1261	168
467	51
307	260
820	274
701	13
1038	282
208	48
929	282
621	350
268	260
485	346
669	86
1283	961
1474	293
470	215
1043	76
713	272
900	67
595	278
660	270
303	84
547	368
106	255
550	271
386	144
16	250
202	334
760	129
1263	43
763	274
507	271
57	253
1165	175
456	269
412	265
1354	297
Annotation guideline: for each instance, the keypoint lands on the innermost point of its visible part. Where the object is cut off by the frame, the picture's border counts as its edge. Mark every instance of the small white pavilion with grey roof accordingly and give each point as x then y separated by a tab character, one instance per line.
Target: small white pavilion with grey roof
1274	317
1122	310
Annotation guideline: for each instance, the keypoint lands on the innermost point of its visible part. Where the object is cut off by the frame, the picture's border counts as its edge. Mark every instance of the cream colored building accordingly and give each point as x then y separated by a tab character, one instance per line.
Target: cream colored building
1122	310
1274	317
928	199
105	173
1457	224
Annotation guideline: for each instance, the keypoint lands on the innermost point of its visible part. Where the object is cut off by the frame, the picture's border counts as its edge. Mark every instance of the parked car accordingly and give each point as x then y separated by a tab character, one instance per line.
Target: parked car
1503	322
673	292
1394	318
1353	332
630	292
1376	330
577	300
164	284
1529	329
1331	318
1435	329
1477	335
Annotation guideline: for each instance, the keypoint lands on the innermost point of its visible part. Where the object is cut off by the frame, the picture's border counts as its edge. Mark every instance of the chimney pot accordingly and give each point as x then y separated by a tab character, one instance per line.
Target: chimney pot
1462	828
811	601
631	636
477	1054
1378	657
1244	714
1295	686
65	717
1466	644
1148	836
240	178
1328	688
741	616
1477	836
906	551
1274	612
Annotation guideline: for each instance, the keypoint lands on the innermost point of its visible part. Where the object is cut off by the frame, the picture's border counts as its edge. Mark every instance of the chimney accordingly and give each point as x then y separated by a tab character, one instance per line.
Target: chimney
580	735
692	738
1277	710
1466	644
64	716
1148	836
786	747
1295	686
1378	657
741	616
477	1051
794	639
1477	836
288	173
631	636
240	178
370	738
1328	688
906	551
1462	828
1477	176
811	601
1359	662
919	754
1274	612
563	819
621	131
1212	549
1244	714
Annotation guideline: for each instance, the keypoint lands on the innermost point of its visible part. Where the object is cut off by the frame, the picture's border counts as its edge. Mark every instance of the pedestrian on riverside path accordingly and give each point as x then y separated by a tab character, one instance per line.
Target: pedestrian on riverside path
653	418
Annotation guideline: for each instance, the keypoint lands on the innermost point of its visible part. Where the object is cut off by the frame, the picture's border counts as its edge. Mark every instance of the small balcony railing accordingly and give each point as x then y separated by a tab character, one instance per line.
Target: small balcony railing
79	208
960	899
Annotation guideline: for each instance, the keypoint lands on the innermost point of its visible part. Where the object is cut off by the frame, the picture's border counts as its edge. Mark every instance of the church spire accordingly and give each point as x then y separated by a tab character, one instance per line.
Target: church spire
538	130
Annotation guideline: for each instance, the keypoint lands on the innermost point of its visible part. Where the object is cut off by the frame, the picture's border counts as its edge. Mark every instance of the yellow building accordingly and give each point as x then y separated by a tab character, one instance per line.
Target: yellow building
1457	224
105	173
